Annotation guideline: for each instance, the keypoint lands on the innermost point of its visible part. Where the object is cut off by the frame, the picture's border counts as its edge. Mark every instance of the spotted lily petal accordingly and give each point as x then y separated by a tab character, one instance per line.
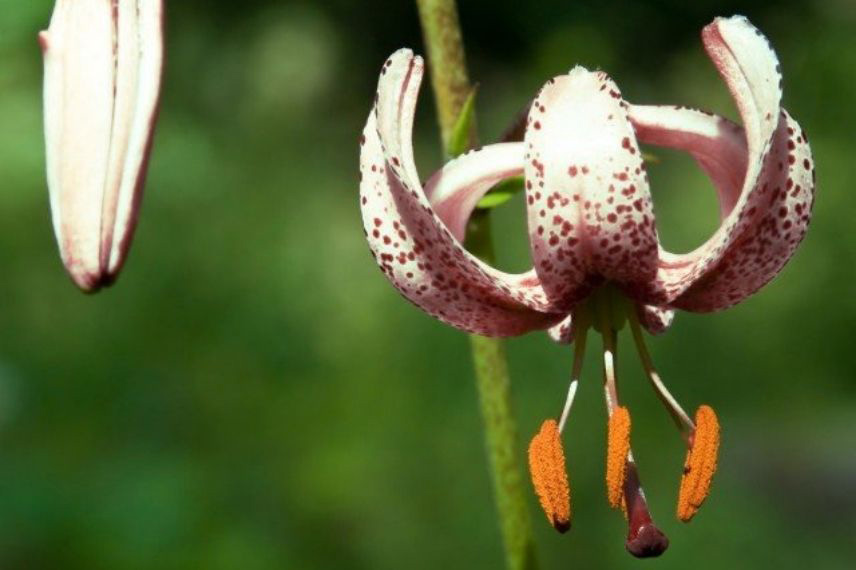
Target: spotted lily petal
750	69
717	144
656	320
412	245
776	210
455	190
781	211
562	333
102	79
589	207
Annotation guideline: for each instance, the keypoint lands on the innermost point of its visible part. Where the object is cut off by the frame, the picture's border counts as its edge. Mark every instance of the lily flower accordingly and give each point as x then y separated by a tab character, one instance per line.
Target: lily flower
598	262
103	64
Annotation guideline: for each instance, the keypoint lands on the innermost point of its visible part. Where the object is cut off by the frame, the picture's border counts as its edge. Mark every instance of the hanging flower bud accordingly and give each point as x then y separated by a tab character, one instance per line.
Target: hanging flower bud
103	61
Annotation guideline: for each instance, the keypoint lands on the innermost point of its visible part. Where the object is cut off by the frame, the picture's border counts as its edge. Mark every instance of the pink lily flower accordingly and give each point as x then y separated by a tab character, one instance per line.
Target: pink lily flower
103	66
598	262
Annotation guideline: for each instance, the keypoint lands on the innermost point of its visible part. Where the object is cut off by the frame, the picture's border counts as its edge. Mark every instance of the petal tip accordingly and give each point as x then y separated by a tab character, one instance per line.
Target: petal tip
44	41
91	282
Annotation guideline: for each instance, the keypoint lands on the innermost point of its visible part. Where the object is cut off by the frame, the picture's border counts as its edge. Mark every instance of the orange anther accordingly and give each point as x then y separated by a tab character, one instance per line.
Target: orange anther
700	464
547	468
617	448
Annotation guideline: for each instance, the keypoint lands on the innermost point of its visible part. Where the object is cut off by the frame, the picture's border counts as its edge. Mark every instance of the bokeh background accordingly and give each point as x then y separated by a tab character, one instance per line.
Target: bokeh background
253	394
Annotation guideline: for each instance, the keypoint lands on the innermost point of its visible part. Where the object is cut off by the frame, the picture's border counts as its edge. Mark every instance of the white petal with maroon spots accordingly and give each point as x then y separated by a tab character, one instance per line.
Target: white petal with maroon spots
589	207
781	209
747	63
655	319
413	247
563	333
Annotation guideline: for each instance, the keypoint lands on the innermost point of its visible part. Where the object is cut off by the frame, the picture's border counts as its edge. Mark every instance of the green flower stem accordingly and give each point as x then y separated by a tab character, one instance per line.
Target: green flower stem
494	388
449	78
452	87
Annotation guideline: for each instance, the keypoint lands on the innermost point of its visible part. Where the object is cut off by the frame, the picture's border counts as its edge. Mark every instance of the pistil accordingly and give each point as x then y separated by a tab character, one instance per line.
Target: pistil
644	539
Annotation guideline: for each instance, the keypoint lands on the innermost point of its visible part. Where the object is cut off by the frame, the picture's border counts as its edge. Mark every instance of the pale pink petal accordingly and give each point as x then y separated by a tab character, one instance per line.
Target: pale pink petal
589	207
717	144
413	247
781	210
655	319
102	79
455	189
750	69
563	333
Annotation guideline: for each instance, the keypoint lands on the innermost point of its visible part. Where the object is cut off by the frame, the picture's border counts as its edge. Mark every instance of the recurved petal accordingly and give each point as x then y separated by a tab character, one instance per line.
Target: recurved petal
455	189
102	80
655	319
563	333
717	144
747	63
781	209
589	207
412	245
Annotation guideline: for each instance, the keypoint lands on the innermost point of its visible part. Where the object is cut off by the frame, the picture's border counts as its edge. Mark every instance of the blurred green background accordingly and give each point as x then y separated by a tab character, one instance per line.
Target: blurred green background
253	394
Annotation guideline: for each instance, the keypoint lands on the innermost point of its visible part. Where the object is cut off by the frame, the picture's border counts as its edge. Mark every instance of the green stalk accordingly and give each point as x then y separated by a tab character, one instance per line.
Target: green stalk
452	88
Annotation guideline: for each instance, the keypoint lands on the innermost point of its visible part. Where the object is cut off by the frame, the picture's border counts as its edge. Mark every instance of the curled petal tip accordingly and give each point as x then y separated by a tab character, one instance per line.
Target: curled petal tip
44	39
656	320
101	87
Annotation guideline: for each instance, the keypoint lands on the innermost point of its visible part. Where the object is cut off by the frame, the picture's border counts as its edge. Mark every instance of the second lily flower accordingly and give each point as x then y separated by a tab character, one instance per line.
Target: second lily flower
103	64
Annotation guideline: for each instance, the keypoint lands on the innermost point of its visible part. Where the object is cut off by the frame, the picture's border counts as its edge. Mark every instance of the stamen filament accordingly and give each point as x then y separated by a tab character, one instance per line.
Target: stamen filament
609	383
580	334
569	400
682	420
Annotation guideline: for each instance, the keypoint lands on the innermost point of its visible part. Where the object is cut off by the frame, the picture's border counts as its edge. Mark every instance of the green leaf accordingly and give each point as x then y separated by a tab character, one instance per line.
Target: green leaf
501	193
459	142
650	157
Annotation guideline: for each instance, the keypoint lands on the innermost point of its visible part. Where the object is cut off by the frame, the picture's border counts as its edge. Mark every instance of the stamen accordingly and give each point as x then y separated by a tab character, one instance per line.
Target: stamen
617	448
580	334
569	400
547	468
700	464
610	387
682	420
